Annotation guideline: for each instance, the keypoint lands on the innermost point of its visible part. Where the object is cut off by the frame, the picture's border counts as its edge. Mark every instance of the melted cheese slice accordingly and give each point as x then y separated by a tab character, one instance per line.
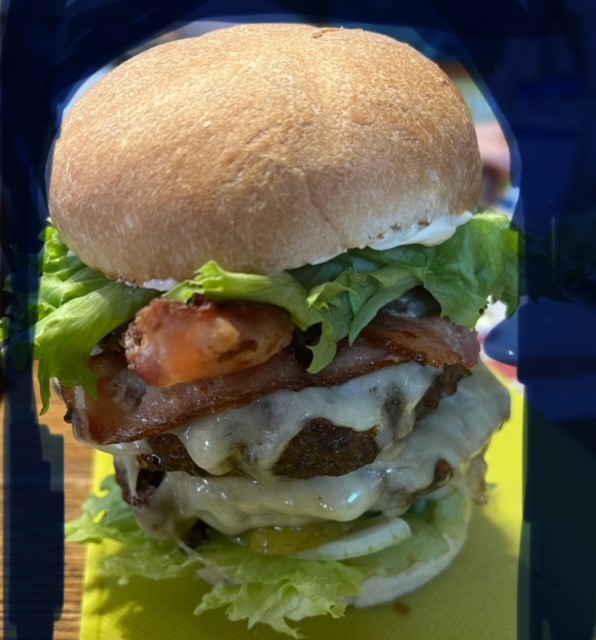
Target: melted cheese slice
263	429
457	432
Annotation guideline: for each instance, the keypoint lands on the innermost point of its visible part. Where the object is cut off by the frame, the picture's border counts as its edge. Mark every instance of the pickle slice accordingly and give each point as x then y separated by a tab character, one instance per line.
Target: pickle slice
286	541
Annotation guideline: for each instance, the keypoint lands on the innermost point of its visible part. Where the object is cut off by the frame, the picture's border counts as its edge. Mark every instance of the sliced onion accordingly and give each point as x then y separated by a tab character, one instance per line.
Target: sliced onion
362	542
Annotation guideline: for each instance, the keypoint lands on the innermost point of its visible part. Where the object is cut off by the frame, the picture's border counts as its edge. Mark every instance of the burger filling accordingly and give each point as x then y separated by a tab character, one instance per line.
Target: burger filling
401	412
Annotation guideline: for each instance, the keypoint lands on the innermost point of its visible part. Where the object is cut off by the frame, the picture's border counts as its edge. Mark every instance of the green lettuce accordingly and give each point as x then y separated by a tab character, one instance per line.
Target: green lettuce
259	589
107	517
344	294
77	306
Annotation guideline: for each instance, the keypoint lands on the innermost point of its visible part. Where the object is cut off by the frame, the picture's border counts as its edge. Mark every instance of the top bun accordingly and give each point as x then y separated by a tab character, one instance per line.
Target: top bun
263	147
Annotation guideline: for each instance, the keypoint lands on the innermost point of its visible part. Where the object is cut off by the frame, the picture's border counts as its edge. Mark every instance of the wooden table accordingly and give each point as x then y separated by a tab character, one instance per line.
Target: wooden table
78	467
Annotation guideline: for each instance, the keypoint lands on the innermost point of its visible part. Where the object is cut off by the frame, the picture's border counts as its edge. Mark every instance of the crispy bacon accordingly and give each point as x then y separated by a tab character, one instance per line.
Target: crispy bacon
170	342
128	409
431	340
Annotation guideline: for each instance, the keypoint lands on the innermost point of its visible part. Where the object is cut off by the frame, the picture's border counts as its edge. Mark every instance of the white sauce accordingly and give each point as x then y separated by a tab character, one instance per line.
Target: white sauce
439	230
456	431
160	285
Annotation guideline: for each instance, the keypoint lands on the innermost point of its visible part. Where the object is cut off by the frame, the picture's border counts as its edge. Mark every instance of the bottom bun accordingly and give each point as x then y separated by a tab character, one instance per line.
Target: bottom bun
381	590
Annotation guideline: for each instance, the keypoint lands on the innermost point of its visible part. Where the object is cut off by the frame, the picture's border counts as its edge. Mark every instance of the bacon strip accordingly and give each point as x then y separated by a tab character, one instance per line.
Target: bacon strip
128	409
431	340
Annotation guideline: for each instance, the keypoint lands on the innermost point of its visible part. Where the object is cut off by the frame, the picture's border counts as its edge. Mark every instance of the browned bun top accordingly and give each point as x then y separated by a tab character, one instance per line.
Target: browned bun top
263	147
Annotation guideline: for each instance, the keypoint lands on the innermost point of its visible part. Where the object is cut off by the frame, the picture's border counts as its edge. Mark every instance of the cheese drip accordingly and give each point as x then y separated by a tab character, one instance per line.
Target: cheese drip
457	432
264	428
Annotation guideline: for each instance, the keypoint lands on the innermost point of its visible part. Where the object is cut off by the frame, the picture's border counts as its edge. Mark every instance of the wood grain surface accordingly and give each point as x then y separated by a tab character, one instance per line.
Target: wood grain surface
78	469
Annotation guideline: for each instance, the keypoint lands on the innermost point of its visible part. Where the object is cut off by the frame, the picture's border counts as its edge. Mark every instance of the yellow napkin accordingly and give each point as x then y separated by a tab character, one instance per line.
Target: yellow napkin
475	598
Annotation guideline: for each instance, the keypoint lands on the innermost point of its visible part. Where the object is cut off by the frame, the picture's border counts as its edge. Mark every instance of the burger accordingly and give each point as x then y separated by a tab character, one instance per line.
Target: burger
261	279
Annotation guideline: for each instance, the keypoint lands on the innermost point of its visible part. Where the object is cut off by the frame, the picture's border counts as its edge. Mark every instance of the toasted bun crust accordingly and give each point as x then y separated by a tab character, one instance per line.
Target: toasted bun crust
263	147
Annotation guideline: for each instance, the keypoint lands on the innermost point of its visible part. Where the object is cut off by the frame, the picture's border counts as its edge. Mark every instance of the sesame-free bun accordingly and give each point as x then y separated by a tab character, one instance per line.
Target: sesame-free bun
263	147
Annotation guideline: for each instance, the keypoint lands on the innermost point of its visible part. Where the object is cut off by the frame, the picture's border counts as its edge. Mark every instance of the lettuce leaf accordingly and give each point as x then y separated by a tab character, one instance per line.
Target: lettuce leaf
275	590
107	517
76	308
344	294
255	588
